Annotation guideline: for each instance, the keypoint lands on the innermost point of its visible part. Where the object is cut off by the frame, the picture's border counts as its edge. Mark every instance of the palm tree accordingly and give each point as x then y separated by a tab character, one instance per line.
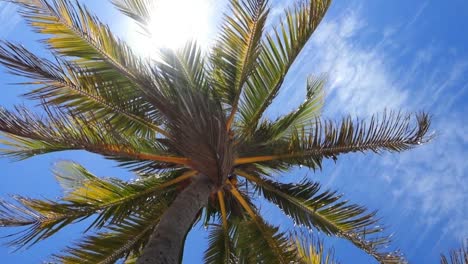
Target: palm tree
194	130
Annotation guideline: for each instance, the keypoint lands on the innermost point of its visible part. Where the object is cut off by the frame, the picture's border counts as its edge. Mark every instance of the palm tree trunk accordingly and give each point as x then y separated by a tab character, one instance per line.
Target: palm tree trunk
166	242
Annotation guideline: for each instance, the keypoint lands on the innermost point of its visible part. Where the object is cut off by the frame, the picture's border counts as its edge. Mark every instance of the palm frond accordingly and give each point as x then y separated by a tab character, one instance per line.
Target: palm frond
72	31
138	10
391	132
273	244
68	85
114	198
456	256
248	241
258	242
312	251
220	248
131	258
117	241
286	125
280	50
28	134
235	53
325	211
182	69
111	200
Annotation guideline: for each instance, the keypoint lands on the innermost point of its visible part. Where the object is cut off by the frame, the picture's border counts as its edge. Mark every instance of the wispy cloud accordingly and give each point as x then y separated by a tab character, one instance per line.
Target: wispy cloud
432	180
360	82
368	77
418	14
8	18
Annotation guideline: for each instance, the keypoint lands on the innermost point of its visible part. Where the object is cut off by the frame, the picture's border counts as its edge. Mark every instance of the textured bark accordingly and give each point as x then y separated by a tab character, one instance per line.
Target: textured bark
166	242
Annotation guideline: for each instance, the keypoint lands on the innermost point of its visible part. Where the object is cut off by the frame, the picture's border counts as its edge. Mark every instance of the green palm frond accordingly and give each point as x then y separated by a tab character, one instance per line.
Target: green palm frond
114	198
390	131
183	68
29	134
249	241
309	145
138	10
72	31
308	206
456	256
117	241
258	242
307	111
274	245
280	50
230	243
235	53
111	200
312	251
68	85
286	125
220	247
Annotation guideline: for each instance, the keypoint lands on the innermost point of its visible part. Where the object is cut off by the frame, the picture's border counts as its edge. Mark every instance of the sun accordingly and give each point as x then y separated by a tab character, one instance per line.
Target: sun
173	23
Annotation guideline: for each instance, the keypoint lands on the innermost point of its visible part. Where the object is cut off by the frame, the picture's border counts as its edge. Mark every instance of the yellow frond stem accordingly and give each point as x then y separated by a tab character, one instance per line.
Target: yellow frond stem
152	126
183	177
222	205
231	117
247	160
175	160
121	150
241	200
252	214
246	175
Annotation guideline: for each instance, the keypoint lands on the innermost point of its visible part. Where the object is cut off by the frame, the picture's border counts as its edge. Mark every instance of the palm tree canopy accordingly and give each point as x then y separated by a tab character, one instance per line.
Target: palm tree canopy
182	116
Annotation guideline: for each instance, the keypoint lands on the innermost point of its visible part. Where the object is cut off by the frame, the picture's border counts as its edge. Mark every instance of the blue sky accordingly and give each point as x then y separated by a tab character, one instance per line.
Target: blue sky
409	55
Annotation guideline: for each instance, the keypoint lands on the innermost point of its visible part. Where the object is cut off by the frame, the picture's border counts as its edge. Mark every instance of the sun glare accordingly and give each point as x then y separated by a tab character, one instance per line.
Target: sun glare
174	22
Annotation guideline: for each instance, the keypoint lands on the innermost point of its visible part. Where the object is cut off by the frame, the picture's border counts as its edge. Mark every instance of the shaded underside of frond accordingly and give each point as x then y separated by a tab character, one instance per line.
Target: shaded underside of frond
220	247
30	134
66	84
310	207
249	241
72	31
259	242
312	250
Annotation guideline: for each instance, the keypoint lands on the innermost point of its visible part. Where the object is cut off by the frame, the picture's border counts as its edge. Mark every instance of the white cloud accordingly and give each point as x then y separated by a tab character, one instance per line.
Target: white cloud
8	18
418	14
431	181
359	79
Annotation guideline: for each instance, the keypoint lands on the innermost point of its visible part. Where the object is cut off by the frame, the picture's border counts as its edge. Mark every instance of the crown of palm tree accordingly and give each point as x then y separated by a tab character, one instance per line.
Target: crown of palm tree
190	125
